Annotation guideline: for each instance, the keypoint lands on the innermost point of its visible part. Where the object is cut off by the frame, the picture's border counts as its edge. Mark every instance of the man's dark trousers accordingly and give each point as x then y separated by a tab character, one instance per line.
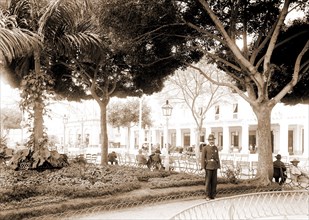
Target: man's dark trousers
211	183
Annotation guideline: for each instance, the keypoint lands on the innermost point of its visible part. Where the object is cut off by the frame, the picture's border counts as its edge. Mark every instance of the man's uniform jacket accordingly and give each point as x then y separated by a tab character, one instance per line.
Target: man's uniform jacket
210	158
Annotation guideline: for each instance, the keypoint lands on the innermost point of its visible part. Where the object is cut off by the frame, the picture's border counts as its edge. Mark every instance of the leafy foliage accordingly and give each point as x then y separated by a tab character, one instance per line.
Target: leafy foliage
151	36
41	159
36	90
35	87
284	58
33	194
10	118
126	114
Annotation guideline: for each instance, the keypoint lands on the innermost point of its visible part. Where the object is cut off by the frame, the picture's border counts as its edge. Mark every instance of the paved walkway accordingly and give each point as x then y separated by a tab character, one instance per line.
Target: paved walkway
164	211
167	210
159	211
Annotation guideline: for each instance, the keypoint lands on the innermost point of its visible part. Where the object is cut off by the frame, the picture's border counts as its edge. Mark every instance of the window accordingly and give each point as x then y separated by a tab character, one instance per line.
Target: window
173	139
217	112
235	111
87	140
79	139
235	139
186	139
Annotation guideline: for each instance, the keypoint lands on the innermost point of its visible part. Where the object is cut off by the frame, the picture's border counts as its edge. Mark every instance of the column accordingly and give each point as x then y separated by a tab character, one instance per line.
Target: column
192	136
297	142
153	139
306	132
276	133
178	137
283	136
132	140
244	138
207	133
226	139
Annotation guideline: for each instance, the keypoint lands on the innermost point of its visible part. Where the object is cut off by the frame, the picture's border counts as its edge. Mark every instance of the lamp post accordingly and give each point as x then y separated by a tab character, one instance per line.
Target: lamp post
65	121
167	111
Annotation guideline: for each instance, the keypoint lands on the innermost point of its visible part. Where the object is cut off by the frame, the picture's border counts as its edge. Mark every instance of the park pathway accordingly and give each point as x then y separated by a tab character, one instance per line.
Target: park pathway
164	211
268	205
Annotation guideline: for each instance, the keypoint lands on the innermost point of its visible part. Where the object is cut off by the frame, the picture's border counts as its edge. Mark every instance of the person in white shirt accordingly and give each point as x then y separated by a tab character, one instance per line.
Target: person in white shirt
296	172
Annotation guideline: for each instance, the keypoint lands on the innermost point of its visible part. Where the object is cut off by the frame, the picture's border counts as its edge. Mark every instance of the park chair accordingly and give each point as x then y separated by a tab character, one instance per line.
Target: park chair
226	167
88	158
244	168
253	169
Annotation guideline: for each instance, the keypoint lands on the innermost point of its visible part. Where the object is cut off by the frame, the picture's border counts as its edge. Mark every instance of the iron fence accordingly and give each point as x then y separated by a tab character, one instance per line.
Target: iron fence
222	195
278	205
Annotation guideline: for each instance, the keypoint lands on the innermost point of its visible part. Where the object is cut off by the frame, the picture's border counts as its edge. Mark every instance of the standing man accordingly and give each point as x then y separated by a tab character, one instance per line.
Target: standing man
211	163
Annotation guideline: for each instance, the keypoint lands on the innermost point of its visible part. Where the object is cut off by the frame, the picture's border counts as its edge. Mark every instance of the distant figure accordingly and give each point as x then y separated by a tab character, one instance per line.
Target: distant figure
296	172
279	170
141	158
112	158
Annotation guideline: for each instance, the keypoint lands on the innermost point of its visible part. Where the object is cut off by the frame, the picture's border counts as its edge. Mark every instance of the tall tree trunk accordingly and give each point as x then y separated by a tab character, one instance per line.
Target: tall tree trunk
265	169
38	106
104	137
38	124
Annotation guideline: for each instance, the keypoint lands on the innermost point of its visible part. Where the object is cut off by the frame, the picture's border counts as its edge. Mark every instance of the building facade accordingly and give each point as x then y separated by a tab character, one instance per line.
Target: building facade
235	128
233	124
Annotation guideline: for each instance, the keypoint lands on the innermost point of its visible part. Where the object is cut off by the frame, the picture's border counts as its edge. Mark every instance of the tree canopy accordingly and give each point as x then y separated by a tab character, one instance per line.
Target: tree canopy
257	73
126	114
151	37
252	24
293	40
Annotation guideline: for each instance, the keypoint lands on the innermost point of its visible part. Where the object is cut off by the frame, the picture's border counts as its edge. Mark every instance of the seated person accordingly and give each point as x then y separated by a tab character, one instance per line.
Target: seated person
279	170
141	158
155	158
296	172
112	158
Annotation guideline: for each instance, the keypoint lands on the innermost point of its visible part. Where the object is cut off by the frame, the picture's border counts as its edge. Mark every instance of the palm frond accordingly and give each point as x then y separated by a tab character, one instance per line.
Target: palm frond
16	43
71	28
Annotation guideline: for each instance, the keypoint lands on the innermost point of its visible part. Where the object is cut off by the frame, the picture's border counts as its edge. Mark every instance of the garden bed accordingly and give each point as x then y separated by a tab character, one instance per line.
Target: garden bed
29	193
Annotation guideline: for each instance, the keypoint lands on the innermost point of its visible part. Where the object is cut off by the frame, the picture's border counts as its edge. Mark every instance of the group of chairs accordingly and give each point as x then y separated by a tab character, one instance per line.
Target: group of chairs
92	158
153	163
189	164
241	166
241	169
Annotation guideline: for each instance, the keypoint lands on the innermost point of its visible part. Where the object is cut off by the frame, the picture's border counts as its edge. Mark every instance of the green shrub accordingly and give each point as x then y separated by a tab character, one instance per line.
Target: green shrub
18	193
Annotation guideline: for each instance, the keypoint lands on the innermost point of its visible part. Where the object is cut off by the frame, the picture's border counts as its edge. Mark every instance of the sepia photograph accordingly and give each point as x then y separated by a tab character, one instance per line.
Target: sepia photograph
154	109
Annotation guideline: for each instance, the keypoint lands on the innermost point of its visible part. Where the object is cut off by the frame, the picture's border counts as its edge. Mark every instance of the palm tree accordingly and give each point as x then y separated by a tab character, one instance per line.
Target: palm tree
32	47
17	48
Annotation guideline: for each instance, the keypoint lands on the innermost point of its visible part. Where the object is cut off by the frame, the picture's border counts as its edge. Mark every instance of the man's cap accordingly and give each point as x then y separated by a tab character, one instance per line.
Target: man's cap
211	137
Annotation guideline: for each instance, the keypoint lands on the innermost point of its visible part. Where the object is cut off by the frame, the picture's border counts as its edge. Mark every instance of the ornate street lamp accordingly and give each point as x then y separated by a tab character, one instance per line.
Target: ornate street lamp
167	111
65	121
